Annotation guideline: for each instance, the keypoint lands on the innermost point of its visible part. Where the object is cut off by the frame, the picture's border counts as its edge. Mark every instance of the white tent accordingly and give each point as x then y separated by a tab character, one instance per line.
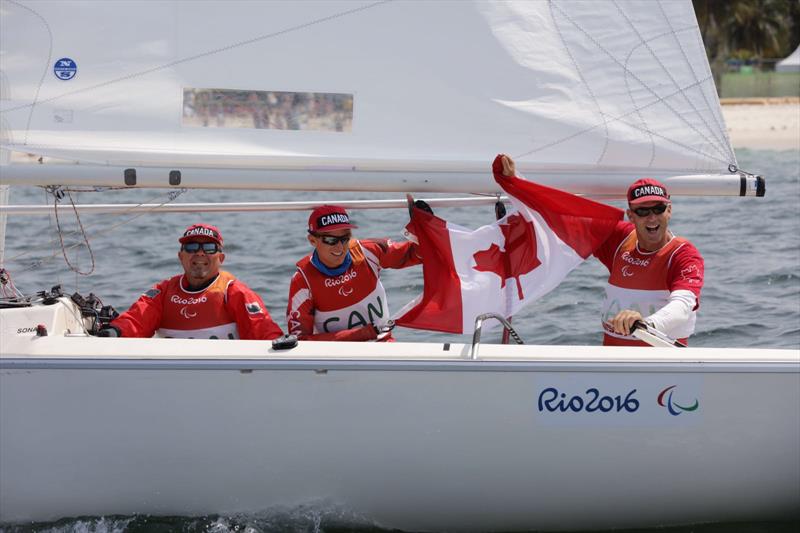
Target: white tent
791	63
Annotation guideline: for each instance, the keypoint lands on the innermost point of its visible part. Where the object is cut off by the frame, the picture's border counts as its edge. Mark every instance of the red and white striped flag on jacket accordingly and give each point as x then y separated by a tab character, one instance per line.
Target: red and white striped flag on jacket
503	266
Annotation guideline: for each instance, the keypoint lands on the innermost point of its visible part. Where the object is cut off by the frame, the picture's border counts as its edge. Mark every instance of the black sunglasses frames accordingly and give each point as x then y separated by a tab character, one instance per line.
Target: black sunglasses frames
645	211
209	248
330	240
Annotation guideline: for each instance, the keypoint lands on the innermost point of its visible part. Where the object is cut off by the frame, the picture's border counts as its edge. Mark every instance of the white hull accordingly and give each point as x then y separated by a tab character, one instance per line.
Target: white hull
413	436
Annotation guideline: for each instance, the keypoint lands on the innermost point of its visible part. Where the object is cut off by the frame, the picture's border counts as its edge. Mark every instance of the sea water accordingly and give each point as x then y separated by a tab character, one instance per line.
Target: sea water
751	295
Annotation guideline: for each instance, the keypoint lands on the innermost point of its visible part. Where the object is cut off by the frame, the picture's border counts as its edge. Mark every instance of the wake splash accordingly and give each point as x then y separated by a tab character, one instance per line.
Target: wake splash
318	517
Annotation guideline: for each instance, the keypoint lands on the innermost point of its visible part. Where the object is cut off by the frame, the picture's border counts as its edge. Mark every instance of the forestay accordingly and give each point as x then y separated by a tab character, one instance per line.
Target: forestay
389	95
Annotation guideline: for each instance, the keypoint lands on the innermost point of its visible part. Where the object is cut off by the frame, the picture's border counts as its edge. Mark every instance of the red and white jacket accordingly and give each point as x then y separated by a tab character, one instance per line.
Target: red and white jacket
343	307
647	281
225	309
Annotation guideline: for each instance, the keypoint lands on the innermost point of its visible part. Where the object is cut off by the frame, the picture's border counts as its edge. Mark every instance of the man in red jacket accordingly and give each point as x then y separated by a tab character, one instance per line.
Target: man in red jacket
654	276
202	303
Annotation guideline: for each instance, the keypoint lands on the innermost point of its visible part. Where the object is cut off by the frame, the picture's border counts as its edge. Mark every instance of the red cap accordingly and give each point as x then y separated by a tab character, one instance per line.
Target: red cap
647	190
201	230
328	218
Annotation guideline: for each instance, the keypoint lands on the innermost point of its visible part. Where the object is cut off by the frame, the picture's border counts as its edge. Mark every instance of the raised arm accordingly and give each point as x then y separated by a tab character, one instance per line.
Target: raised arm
390	254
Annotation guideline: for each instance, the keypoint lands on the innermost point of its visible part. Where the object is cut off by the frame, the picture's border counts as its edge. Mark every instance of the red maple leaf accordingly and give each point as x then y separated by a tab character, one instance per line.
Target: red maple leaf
518	257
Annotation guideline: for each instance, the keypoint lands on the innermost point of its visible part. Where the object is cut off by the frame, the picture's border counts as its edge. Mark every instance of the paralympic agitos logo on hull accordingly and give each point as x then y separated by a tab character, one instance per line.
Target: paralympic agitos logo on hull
665	399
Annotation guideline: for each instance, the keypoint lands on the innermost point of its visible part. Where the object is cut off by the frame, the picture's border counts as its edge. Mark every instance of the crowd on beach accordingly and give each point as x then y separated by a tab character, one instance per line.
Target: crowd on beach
224	108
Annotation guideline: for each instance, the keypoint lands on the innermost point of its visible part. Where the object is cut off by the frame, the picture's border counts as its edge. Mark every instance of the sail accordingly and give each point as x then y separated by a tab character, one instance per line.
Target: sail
431	90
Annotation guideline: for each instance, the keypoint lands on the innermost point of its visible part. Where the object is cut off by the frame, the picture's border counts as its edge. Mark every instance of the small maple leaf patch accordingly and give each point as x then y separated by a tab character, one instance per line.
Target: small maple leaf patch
253	308
690	273
518	256
152	293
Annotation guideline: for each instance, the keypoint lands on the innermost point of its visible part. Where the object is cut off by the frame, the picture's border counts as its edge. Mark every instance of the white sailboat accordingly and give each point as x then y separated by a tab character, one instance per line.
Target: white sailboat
381	96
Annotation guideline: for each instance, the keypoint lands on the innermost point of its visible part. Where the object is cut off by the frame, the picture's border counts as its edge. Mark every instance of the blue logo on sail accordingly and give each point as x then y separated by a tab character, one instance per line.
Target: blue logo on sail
65	69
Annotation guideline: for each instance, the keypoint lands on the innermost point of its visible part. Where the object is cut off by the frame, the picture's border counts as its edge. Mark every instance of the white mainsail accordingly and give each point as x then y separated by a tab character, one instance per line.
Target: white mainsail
576	91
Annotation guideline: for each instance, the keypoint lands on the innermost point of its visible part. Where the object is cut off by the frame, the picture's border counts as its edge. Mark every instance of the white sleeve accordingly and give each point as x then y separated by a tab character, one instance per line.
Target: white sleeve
675	314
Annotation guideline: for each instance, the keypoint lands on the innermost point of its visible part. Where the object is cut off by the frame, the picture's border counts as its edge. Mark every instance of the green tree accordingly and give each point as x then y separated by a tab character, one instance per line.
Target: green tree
759	27
751	29
712	16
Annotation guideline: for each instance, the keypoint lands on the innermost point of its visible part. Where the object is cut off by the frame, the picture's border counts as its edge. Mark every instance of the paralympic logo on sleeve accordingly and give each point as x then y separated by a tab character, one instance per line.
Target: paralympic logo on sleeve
674	408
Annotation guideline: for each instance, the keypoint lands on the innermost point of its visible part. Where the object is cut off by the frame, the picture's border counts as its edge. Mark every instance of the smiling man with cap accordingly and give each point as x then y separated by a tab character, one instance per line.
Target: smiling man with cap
336	293
202	303
655	276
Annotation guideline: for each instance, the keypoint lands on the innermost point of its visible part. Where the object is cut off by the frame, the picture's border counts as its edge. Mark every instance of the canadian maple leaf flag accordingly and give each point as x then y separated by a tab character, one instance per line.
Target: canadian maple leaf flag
500	267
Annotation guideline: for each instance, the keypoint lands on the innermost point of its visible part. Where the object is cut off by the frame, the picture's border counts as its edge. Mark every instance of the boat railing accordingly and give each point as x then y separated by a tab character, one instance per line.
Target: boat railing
476	336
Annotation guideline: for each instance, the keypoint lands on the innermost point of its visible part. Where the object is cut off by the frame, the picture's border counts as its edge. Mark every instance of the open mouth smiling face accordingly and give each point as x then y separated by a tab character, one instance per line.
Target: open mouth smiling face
651	220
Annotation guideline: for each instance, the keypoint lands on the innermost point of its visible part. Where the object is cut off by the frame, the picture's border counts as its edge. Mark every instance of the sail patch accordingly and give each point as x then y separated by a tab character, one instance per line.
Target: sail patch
65	69
271	110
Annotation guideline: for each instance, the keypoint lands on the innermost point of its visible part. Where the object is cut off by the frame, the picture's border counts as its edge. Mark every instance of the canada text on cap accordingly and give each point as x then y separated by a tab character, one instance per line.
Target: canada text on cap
196	231
328	218
647	190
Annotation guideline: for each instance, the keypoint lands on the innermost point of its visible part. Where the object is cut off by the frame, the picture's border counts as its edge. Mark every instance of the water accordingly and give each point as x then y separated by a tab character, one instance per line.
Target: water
751	296
312	521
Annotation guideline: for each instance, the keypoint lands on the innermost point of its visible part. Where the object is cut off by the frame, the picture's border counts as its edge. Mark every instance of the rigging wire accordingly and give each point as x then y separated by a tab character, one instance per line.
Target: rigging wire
54	241
38	262
58	195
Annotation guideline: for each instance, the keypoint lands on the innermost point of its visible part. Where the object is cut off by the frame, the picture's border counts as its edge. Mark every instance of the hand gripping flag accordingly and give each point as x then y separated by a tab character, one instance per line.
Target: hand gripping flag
503	266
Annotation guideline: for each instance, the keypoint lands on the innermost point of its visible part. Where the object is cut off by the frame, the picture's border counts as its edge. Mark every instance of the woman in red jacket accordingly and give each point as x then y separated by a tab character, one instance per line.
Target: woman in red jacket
336	293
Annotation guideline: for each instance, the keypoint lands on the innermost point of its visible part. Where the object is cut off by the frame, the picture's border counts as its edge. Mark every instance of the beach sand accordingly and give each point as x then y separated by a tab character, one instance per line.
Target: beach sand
763	123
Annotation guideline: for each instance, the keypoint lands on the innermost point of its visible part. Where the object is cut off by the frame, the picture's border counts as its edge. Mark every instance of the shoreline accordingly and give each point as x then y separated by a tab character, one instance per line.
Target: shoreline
763	123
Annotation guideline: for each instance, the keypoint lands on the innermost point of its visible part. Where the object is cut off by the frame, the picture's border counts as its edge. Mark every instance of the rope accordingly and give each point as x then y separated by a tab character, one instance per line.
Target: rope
57	197
513	333
171	196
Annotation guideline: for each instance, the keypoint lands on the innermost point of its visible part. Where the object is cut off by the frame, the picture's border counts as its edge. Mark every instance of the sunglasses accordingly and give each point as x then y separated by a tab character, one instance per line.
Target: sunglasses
330	240
645	211
209	248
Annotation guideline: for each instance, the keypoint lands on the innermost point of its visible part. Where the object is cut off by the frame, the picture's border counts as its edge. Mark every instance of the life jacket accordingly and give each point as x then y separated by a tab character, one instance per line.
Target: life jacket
640	281
199	314
351	299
